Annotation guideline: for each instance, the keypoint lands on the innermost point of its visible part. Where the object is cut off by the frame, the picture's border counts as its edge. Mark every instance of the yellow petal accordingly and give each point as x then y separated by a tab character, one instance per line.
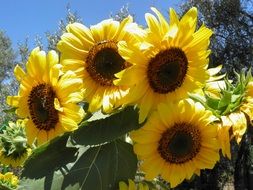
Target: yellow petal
145	106
74	112
123	25
57	105
31	132
13	100
96	101
19	73
173	17
163	22
55	73
152	167
123	186
42	137
67	123
52	59
145	149
81	32
131	185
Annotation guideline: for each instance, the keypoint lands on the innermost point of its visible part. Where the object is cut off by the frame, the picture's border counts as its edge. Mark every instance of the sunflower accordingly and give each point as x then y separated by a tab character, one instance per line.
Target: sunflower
177	141
171	61
131	186
224	128
234	123
92	53
16	158
47	97
238	120
239	125
247	105
234	113
8	180
13	144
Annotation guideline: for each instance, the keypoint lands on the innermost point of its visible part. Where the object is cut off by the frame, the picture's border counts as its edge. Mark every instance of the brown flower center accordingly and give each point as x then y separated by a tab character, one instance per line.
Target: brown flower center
167	70
103	61
180	143
41	107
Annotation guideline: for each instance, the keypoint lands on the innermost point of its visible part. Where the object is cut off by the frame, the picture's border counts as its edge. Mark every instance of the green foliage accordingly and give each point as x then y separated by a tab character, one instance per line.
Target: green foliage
103	167
23	51
107	129
13	140
99	167
5	187
69	162
231	97
48	158
7	89
122	13
7	56
7	62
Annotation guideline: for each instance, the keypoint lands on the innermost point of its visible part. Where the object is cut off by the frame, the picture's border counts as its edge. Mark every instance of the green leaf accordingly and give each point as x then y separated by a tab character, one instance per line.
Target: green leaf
212	102
205	102
225	100
107	129
5	187
103	167
52	181
11	110
49	157
96	168
234	97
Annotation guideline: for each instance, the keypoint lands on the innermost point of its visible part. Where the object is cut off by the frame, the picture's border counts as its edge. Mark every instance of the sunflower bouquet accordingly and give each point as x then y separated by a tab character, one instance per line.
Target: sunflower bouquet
127	107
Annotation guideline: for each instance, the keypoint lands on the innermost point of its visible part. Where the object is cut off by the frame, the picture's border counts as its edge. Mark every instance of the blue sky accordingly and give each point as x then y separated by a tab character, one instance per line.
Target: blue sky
28	18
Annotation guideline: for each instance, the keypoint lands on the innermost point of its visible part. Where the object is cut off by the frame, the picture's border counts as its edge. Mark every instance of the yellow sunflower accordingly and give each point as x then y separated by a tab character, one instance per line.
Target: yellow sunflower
171	62
13	144
16	158
177	141
247	105
8	180
224	137
234	123
131	186
92	53
238	122
238	119
47	97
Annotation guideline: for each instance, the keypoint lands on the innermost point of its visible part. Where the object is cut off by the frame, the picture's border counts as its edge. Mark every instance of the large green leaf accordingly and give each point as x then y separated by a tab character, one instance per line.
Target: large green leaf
102	167
52	181
96	168
107	129
49	158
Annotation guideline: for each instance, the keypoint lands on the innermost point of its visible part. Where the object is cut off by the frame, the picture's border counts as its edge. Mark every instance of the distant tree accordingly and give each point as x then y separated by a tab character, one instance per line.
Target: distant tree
122	13
7	56
232	23
23	50
7	62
